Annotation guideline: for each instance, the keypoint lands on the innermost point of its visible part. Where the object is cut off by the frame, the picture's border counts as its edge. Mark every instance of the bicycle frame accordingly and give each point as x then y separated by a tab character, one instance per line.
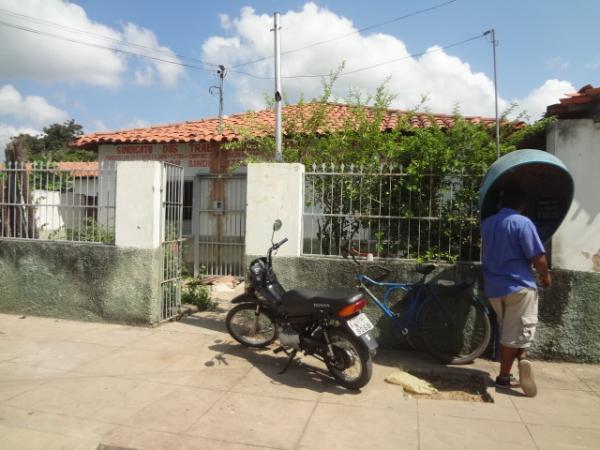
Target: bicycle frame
408	322
423	297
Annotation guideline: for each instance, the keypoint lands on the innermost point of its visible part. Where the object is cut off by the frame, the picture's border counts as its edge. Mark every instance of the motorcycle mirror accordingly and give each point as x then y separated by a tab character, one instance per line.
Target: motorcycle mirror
277	225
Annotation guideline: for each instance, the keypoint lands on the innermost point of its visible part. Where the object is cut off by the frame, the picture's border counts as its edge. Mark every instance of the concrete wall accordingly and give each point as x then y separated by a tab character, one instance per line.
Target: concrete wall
274	191
87	281
569	313
79	281
576	245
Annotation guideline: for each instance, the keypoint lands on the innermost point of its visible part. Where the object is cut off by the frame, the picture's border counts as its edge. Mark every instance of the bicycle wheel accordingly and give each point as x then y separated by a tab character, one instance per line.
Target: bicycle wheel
454	327
249	327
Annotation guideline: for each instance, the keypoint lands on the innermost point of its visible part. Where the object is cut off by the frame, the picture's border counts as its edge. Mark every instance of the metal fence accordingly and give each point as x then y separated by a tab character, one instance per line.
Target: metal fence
391	213
171	240
58	201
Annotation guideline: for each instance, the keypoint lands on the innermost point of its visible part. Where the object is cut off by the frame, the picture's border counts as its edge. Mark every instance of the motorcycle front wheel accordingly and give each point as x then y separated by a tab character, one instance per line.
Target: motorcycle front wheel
251	325
351	364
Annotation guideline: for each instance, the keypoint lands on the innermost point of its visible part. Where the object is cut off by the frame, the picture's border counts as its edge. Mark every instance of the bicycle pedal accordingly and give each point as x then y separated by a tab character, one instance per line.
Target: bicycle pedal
279	350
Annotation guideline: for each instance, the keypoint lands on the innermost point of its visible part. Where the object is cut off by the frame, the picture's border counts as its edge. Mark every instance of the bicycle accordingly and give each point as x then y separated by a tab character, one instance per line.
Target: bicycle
451	323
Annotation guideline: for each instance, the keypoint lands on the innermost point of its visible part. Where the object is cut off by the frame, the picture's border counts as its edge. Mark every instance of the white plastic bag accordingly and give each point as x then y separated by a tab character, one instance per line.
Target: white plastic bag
410	383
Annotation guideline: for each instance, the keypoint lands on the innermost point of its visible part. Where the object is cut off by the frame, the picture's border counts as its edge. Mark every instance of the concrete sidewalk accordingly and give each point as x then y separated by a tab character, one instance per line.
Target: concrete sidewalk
187	385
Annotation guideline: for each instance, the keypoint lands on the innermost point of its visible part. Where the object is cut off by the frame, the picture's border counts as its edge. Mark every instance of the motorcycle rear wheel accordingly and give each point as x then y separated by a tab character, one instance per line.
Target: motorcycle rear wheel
251	327
351	366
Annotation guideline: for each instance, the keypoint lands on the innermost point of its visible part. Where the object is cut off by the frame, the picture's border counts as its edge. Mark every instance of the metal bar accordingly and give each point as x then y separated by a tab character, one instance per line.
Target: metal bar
278	93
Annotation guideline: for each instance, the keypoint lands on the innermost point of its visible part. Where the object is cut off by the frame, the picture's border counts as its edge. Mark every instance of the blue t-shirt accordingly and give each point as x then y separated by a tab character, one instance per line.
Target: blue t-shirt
510	241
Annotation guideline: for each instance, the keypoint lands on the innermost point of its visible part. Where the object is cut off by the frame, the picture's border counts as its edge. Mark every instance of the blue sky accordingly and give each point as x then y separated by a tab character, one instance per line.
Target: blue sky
546	49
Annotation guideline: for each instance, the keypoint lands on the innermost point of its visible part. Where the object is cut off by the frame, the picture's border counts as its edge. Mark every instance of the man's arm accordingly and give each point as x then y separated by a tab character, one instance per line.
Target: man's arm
540	262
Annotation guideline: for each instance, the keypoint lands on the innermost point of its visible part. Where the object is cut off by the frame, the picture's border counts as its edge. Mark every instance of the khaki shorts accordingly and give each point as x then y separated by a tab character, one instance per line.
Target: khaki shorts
517	315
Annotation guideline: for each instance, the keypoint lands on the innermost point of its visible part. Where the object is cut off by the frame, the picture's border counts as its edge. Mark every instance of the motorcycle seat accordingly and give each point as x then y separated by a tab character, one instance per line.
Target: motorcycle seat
303	301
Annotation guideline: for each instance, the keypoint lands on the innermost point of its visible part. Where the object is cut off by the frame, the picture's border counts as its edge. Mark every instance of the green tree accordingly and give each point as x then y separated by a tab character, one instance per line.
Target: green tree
53	144
432	159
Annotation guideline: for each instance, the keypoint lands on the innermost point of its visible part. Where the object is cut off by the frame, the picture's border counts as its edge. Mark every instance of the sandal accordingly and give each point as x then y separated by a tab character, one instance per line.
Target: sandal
526	378
507	382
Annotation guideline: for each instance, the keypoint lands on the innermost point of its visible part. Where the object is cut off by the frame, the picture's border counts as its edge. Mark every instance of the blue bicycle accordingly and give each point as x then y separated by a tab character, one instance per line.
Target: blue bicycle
448	321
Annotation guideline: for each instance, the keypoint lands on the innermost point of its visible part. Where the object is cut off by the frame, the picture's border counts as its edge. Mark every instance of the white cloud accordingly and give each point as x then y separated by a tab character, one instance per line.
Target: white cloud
225	21
46	58
8	131
144	77
446	80
167	73
547	94
32	108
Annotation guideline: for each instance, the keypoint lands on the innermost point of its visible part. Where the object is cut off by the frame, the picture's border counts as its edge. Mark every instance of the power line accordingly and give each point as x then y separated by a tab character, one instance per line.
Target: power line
315	44
373	66
91	44
100	36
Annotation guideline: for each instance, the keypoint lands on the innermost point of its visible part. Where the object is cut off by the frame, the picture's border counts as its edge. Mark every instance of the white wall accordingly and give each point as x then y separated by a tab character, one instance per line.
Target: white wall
274	191
576	244
57	210
138	204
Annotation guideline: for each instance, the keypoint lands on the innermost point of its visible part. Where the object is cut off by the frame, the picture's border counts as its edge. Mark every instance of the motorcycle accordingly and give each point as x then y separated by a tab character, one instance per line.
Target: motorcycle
328	325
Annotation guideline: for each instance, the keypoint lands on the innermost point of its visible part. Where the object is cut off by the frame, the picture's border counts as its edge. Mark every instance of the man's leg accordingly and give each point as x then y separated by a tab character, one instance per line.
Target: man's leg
507	354
522	308
507	359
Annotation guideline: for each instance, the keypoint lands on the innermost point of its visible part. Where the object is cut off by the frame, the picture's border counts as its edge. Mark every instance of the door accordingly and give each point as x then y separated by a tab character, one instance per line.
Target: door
220	228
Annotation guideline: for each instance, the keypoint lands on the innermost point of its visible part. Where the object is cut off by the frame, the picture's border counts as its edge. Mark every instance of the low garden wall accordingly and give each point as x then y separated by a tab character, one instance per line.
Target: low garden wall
569	312
80	281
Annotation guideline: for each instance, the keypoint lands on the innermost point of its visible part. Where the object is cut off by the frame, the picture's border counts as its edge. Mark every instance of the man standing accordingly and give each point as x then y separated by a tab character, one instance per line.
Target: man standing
511	246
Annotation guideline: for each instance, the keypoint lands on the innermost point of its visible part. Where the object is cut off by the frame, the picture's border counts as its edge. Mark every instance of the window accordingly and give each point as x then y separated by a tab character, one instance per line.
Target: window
188	199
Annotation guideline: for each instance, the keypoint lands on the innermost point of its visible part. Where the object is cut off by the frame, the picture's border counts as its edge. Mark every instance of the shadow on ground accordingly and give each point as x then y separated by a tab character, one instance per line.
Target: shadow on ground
305	372
300	374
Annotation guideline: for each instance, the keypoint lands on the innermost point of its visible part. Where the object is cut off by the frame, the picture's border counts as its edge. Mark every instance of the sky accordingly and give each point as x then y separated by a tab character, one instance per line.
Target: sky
114	64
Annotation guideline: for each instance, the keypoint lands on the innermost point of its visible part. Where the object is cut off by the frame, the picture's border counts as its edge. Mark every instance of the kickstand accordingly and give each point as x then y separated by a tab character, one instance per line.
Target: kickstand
291	355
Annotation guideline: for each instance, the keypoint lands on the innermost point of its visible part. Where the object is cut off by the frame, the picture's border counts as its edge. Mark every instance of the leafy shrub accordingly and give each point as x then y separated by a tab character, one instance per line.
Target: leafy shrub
195	293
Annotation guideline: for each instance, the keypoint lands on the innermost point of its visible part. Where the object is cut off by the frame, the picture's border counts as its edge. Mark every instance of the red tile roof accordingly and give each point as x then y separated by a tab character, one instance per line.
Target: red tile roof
80	168
259	123
584	103
74	168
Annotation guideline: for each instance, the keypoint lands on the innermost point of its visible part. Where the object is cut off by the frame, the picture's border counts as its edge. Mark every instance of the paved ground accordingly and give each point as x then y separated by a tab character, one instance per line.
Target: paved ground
186	385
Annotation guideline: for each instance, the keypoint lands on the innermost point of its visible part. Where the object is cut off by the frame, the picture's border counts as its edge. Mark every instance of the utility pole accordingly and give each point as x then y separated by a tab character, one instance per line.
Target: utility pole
494	43
221	75
278	97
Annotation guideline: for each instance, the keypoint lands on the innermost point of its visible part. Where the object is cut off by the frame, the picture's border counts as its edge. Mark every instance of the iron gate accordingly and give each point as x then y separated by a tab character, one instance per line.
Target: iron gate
220	229
171	240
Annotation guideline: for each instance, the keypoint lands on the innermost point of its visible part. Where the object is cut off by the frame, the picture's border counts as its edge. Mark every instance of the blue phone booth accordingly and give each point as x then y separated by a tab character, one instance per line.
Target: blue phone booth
545	180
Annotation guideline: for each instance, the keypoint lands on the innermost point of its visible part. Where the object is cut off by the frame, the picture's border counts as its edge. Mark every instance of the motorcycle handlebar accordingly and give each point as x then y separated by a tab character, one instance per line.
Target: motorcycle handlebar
280	243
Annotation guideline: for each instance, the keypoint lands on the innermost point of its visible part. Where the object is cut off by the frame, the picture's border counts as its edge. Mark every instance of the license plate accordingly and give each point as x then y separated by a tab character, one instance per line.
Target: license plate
360	324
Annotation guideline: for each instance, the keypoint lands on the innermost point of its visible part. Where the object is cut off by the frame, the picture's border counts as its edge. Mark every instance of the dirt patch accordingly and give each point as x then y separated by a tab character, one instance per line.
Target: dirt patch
463	387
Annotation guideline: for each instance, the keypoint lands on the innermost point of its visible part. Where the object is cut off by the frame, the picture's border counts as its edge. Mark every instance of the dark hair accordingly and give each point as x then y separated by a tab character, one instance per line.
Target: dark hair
512	197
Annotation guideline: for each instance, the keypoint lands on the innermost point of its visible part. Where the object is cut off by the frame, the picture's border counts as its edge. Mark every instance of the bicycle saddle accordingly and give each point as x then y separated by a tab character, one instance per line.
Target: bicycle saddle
425	269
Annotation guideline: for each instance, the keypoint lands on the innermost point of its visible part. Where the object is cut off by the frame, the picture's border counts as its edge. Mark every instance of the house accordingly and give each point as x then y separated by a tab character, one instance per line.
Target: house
575	139
63	195
215	199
